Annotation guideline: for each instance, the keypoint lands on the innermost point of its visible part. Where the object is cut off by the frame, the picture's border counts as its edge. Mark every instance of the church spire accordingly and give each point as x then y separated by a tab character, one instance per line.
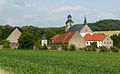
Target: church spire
85	21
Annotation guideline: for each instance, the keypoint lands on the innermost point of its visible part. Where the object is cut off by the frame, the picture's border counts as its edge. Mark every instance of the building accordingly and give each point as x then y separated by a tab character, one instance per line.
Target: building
14	36
101	39
69	38
44	40
83	29
85	33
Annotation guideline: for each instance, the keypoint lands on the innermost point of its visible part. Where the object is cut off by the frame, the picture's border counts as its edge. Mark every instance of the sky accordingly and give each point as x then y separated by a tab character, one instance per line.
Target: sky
53	13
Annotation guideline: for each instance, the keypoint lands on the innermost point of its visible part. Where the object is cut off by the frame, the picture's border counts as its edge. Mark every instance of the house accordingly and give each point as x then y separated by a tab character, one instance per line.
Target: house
69	38
14	36
101	39
44	40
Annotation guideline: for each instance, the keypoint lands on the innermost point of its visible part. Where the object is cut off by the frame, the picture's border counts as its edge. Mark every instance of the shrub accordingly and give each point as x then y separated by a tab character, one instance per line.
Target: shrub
54	47
72	47
94	44
64	47
114	49
103	49
5	43
44	47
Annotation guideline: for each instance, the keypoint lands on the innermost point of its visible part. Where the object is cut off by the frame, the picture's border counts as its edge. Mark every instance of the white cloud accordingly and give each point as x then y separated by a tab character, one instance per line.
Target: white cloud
28	16
16	6
10	21
69	8
105	15
2	2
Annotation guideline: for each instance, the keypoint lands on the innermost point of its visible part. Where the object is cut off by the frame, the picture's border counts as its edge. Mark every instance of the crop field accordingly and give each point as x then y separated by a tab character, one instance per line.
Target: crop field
59	62
109	33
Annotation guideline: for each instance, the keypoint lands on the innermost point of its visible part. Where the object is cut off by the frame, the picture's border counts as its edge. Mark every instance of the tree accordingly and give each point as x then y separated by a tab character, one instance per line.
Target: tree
5	43
94	44
103	49
72	47
37	44
114	49
64	47
26	41
44	47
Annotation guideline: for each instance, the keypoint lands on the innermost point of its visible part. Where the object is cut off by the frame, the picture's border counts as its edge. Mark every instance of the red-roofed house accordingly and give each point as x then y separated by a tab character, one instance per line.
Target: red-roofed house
69	38
101	39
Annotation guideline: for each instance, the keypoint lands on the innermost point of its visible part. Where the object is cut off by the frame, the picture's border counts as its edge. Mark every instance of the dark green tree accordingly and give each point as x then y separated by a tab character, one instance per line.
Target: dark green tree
6	43
26	41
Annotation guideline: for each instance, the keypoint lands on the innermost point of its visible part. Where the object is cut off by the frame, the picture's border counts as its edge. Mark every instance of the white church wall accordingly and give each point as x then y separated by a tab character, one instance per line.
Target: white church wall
44	42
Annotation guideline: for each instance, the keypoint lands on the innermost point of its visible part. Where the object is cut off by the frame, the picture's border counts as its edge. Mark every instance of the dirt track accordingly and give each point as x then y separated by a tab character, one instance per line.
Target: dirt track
3	72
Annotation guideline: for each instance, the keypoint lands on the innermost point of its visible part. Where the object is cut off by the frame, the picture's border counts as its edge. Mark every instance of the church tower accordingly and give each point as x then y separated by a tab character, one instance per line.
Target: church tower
44	40
69	22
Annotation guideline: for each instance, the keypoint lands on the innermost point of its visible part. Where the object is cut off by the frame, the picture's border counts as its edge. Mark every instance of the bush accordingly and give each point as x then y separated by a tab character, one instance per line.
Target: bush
103	49
54	47
114	49
72	47
44	47
5	43
64	47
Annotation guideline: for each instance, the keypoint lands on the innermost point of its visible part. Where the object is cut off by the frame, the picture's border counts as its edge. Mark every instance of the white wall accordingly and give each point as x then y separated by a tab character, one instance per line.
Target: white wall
83	34
44	42
99	43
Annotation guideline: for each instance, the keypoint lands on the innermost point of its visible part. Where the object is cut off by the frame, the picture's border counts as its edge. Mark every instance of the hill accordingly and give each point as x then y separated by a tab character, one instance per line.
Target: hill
102	25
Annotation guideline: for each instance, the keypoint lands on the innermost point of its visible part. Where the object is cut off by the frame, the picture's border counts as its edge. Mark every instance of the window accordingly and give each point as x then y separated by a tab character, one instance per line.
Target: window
104	42
107	42
107	39
110	42
87	42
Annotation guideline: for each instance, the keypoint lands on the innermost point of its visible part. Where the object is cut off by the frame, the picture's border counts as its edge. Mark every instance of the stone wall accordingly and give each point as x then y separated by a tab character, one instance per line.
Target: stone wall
78	41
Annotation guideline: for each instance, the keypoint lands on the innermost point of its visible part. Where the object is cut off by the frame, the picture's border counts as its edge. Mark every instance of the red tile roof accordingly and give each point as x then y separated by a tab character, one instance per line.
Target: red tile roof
62	38
95	37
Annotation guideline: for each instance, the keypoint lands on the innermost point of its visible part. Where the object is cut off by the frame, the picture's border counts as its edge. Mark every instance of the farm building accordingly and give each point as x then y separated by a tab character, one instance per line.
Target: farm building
101	39
14	36
85	34
69	38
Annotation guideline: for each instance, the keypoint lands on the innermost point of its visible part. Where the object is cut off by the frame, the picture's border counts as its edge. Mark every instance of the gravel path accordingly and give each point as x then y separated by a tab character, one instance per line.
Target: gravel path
3	72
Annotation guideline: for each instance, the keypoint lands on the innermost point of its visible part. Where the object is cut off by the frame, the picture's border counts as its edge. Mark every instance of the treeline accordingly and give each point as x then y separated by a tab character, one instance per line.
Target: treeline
102	25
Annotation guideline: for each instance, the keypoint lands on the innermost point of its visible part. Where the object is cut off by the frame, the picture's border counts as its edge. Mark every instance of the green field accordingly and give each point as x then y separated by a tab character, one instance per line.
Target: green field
59	62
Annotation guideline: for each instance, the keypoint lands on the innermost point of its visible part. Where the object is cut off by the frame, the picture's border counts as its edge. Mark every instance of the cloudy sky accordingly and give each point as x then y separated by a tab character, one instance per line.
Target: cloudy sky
52	13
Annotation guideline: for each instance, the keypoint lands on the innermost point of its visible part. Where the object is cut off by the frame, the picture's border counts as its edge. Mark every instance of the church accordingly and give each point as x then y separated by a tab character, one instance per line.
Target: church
80	36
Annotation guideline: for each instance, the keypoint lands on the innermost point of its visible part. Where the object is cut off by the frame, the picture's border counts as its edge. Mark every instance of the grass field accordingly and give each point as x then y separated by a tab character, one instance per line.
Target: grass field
110	33
59	62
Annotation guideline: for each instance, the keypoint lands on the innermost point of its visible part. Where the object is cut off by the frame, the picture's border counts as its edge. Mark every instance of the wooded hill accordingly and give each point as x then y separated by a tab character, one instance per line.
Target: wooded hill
102	25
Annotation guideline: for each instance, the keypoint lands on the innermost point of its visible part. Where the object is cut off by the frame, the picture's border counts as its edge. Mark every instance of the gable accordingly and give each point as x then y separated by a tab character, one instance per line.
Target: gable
85	29
108	39
14	36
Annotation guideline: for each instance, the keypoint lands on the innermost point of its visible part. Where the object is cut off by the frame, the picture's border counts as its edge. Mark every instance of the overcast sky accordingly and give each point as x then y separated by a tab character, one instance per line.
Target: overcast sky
53	13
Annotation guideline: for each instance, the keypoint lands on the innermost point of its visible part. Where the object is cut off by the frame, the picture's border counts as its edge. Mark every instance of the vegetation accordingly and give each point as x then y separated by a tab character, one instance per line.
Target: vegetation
72	47
103	49
116	40
114	49
5	43
54	62
26	40
64	47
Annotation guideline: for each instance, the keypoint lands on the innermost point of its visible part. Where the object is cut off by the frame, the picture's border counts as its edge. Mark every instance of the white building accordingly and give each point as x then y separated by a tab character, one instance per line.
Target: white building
44	40
101	39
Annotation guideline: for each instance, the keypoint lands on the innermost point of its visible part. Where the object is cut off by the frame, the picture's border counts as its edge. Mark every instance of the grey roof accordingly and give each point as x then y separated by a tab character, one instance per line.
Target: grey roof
44	38
76	28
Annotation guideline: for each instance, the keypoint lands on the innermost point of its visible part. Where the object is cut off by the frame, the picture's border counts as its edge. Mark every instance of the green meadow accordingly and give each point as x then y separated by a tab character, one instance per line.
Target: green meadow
59	62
